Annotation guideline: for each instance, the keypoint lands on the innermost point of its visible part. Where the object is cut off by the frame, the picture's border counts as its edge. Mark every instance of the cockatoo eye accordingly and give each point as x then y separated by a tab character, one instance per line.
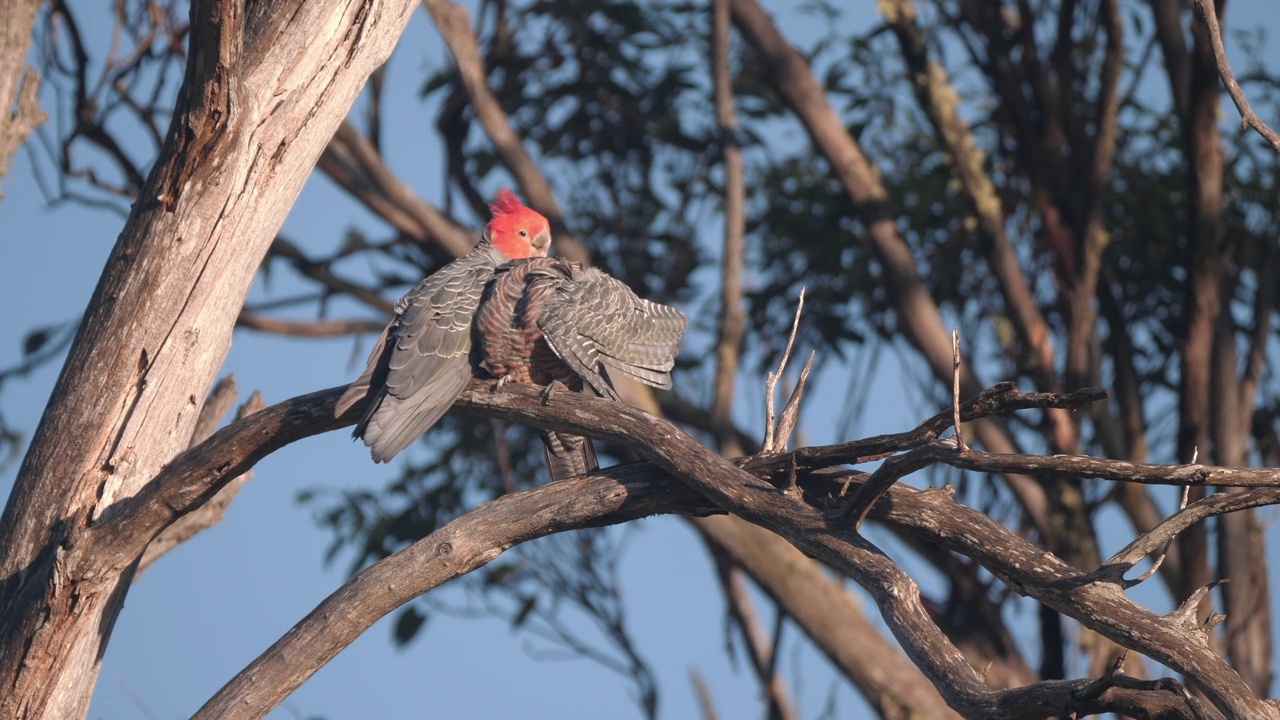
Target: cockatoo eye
524	233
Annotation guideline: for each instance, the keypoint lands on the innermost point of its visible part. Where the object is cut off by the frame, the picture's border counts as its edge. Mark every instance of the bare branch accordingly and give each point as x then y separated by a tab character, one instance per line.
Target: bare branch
1015	561
472	541
455	26
1216	504
732	315
307	328
1248	119
791	412
1164	551
1082	466
320	272
705	701
353	161
1000	399
771	442
212	512
955	389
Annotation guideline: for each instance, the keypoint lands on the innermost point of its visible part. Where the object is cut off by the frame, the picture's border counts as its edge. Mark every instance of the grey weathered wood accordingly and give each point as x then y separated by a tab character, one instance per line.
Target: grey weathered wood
18	83
212	512
616	495
266	86
1095	599
831	616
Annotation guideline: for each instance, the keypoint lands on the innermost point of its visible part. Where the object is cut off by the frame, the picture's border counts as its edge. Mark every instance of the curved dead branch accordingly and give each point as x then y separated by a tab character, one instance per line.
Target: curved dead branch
1248	118
353	161
1096	600
612	496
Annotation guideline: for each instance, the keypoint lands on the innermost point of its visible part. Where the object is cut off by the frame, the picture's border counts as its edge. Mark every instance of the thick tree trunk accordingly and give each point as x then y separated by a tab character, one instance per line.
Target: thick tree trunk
266	86
18	83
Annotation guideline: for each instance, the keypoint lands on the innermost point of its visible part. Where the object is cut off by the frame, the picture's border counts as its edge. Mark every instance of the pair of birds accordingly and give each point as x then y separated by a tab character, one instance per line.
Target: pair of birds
510	310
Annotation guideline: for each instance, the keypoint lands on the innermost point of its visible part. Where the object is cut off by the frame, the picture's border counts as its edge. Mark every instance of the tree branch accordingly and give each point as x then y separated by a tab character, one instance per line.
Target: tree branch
1083	466
609	497
832	618
934	514
1248	119
353	161
212	512
732	315
455	26
919	317
307	328
282	247
1000	399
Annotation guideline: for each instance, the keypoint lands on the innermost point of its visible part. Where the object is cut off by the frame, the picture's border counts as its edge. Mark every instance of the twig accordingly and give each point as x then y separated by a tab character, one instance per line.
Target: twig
705	701
281	247
1000	399
307	328
771	382
1247	117
791	413
1164	552
892	470
1211	506
955	390
1118	470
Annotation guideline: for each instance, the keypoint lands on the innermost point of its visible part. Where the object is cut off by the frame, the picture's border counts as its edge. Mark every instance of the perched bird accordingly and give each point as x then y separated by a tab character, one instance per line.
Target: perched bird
423	360
544	320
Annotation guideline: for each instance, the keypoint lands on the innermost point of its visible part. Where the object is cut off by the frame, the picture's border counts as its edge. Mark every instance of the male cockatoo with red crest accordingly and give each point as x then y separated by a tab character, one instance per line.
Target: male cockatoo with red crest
423	360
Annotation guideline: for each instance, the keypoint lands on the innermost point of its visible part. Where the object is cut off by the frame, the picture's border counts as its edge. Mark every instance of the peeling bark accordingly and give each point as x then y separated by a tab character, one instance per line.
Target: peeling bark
242	143
20	112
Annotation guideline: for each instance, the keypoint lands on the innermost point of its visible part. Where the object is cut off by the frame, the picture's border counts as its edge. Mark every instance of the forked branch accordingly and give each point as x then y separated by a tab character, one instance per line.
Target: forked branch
933	515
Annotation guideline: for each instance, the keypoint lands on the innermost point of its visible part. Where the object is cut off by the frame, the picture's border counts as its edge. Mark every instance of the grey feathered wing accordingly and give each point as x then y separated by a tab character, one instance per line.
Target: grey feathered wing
593	322
422	361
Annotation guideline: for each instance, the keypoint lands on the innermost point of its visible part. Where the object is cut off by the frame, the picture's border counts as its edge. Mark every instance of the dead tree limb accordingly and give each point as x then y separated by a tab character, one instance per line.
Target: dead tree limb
1096	603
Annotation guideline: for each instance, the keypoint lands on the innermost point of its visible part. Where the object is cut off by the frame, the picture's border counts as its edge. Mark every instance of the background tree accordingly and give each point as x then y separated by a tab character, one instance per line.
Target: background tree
1053	178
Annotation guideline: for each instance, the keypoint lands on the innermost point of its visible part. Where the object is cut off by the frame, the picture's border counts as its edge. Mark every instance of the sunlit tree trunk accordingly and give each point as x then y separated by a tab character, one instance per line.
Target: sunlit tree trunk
19	113
265	88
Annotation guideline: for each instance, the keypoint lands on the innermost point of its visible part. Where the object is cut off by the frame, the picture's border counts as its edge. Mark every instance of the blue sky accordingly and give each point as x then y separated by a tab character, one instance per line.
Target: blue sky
207	609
